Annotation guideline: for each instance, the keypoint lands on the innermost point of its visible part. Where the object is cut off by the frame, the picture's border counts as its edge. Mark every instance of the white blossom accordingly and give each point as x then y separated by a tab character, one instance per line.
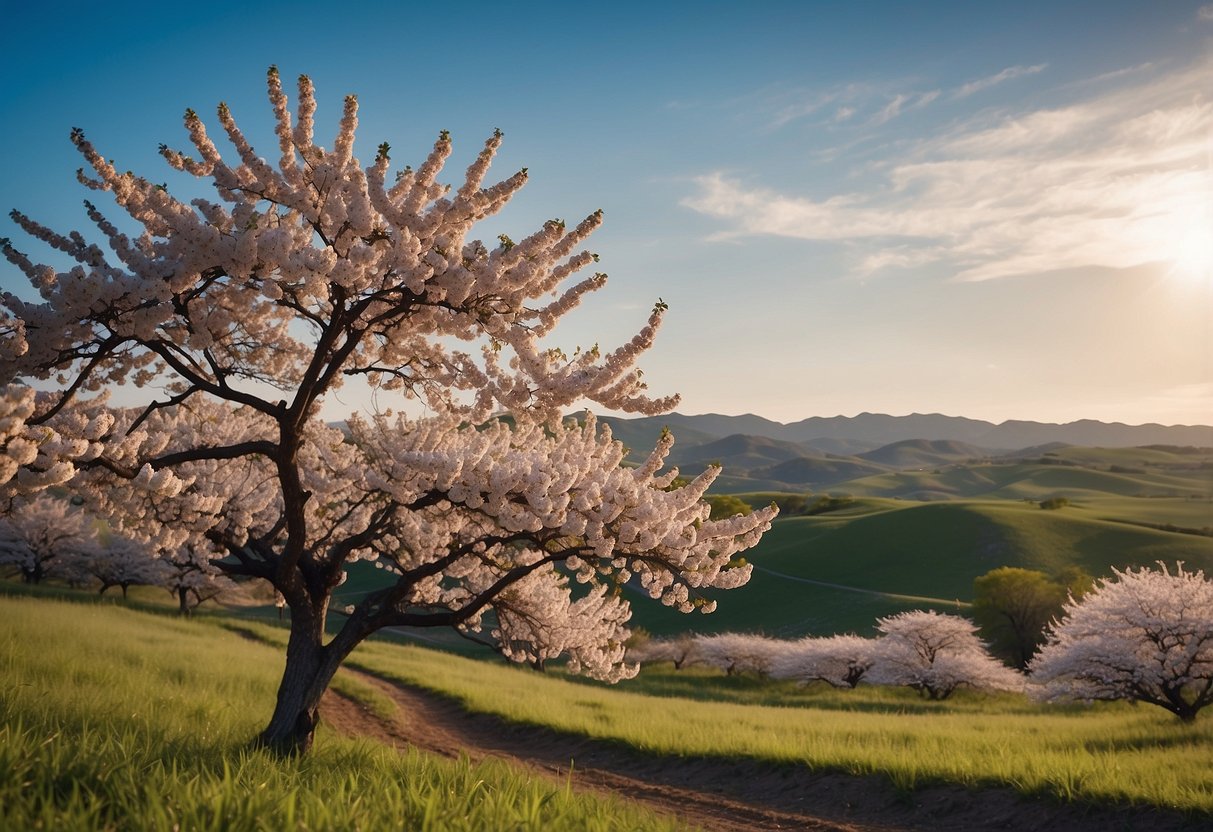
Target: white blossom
1142	635
243	313
738	652
41	536
934	654
841	661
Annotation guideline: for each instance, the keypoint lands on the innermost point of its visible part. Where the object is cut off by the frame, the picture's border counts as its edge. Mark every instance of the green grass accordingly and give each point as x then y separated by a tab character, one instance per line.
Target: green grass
1107	753
1179	511
116	719
112	718
899	555
1030	481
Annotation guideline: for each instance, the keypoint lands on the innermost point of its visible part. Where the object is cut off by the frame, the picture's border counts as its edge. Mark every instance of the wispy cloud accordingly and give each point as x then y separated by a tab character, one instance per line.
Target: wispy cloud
871	104
843	114
1007	74
903	103
789	106
1205	13
1113	180
1116	73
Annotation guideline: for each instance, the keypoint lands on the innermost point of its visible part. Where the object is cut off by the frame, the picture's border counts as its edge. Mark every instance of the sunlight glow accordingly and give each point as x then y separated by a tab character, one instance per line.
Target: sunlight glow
1192	255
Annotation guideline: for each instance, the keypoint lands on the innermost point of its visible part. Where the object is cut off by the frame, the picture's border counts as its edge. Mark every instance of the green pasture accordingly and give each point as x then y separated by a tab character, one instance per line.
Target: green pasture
1111	753
1158	456
1031	481
113	719
838	572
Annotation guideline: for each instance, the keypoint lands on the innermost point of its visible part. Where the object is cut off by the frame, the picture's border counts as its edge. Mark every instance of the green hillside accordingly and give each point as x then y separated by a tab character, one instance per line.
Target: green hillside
839	572
113	719
1031	481
918	453
818	472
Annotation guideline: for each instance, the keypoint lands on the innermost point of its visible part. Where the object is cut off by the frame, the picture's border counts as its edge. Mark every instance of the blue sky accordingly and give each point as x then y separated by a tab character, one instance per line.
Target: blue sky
1001	211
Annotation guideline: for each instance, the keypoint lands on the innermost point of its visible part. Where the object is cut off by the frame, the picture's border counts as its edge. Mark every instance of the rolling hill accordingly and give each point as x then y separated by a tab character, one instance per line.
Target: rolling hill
919	453
927	513
817	473
839	572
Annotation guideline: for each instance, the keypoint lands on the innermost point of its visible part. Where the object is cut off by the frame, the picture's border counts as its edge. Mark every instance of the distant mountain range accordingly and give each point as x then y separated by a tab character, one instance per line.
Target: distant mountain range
852	435
758	454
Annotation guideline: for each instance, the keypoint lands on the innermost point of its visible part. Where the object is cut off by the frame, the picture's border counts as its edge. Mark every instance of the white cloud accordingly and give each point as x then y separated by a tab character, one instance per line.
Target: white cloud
1116	73
863	103
1006	75
1115	180
1205	12
903	103
843	114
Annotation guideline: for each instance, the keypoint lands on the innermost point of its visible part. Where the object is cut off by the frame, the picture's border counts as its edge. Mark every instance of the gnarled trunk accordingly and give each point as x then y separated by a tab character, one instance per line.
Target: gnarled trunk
310	666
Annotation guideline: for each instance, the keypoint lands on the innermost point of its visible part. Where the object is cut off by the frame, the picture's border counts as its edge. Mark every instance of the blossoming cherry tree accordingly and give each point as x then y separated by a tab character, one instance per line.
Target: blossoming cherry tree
1143	635
238	314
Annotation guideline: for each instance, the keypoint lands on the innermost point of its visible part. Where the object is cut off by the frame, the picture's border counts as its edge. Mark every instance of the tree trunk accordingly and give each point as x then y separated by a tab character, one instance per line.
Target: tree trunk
183	608
309	669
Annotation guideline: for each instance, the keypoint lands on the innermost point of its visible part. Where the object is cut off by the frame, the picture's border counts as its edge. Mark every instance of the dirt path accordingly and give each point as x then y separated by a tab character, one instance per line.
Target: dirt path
721	794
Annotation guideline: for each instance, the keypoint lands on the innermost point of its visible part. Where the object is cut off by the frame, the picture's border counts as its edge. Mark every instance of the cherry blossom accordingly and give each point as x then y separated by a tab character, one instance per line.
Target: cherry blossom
841	661
41	536
191	576
682	651
1143	635
237	315
934	654
739	652
119	562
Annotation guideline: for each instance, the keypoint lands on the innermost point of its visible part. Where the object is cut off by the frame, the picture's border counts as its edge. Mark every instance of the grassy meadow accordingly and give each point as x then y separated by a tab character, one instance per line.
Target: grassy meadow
117	715
839	571
117	719
1107	753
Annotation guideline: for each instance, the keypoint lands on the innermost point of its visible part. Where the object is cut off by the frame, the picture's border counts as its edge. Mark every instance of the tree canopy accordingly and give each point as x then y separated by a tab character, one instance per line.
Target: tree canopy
1013	606
1143	635
237	315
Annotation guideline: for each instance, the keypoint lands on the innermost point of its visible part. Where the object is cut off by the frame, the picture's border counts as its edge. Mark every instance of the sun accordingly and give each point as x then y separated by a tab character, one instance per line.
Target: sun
1191	253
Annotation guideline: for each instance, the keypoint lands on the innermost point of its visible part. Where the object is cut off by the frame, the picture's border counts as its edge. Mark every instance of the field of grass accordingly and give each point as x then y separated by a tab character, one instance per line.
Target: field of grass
838	572
1031	481
1106	753
117	719
113	718
1111	753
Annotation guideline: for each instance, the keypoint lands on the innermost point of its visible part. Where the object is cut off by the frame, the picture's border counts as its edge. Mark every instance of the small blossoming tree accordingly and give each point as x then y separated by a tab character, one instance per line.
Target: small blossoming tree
190	575
935	654
841	661
42	537
738	652
118	562
307	270
1142	635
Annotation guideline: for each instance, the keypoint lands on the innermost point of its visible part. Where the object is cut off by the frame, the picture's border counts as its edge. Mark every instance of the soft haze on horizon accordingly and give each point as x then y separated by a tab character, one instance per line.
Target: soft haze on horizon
996	211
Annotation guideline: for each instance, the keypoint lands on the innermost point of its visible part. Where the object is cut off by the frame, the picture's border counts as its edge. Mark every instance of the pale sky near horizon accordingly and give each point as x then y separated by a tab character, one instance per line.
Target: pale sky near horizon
999	211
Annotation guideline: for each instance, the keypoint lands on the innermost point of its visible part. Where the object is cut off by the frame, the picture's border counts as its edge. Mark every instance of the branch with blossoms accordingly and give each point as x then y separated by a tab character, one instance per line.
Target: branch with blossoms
251	308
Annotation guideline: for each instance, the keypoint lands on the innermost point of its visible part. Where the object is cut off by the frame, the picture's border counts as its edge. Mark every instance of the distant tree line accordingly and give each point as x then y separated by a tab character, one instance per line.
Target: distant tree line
1141	635
790	505
50	538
